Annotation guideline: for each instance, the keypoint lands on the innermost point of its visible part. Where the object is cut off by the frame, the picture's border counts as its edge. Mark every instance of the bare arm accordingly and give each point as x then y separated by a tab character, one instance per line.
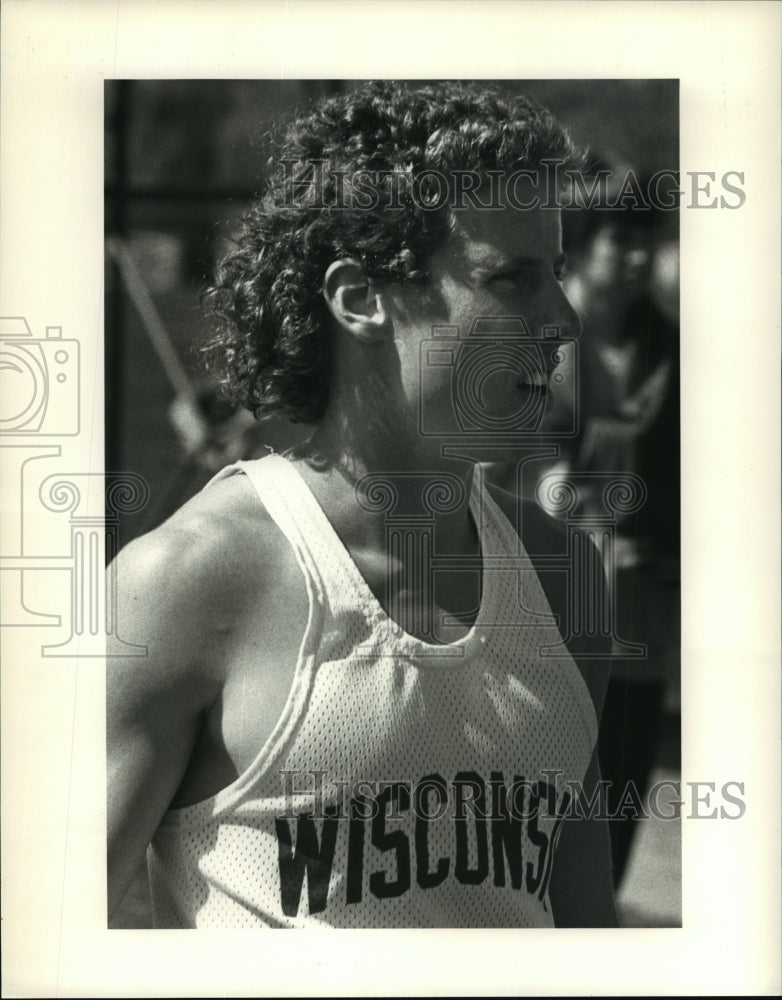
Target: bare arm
187	718
154	703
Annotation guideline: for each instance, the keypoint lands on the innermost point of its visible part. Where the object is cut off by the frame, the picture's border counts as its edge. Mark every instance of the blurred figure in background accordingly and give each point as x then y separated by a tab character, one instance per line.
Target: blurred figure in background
624	286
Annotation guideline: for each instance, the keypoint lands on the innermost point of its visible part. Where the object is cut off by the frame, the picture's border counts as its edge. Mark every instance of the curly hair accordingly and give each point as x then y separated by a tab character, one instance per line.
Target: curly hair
353	179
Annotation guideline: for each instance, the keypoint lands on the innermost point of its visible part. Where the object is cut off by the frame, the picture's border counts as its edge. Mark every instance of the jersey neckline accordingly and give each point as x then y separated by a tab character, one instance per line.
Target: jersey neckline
403	640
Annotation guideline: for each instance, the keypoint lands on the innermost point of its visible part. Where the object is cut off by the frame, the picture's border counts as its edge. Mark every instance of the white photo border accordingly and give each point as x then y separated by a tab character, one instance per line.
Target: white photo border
55	58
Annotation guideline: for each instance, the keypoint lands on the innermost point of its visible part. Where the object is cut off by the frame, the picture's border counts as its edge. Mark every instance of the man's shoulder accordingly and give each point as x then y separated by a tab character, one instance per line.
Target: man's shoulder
207	559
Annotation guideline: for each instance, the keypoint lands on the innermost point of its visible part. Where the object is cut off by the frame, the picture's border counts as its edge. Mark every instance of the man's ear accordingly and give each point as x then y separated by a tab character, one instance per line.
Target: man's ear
356	305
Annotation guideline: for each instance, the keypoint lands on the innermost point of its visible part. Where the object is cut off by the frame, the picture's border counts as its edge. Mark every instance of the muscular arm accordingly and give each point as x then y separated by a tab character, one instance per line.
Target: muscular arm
183	593
155	702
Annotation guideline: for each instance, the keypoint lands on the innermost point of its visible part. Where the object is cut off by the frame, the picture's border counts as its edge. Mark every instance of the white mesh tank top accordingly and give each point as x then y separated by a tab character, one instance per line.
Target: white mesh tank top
406	784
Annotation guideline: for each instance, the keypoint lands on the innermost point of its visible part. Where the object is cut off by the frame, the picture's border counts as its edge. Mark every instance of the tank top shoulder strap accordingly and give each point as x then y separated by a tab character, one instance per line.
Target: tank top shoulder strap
500	537
535	607
292	506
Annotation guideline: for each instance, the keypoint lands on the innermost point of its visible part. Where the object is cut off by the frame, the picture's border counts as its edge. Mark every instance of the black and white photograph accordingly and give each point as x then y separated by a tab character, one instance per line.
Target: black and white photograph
389	439
543	371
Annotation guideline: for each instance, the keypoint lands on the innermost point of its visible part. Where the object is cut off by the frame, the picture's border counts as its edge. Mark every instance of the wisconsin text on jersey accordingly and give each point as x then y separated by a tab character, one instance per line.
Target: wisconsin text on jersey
491	831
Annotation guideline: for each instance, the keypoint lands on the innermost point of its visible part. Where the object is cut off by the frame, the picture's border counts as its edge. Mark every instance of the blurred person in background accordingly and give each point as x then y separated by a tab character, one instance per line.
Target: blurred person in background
624	286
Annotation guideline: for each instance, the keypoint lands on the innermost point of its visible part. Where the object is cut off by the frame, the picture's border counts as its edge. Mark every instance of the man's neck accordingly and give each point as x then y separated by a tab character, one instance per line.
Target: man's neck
363	483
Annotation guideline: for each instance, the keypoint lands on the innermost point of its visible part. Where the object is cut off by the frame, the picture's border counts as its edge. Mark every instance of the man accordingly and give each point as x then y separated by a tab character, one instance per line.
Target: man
356	709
